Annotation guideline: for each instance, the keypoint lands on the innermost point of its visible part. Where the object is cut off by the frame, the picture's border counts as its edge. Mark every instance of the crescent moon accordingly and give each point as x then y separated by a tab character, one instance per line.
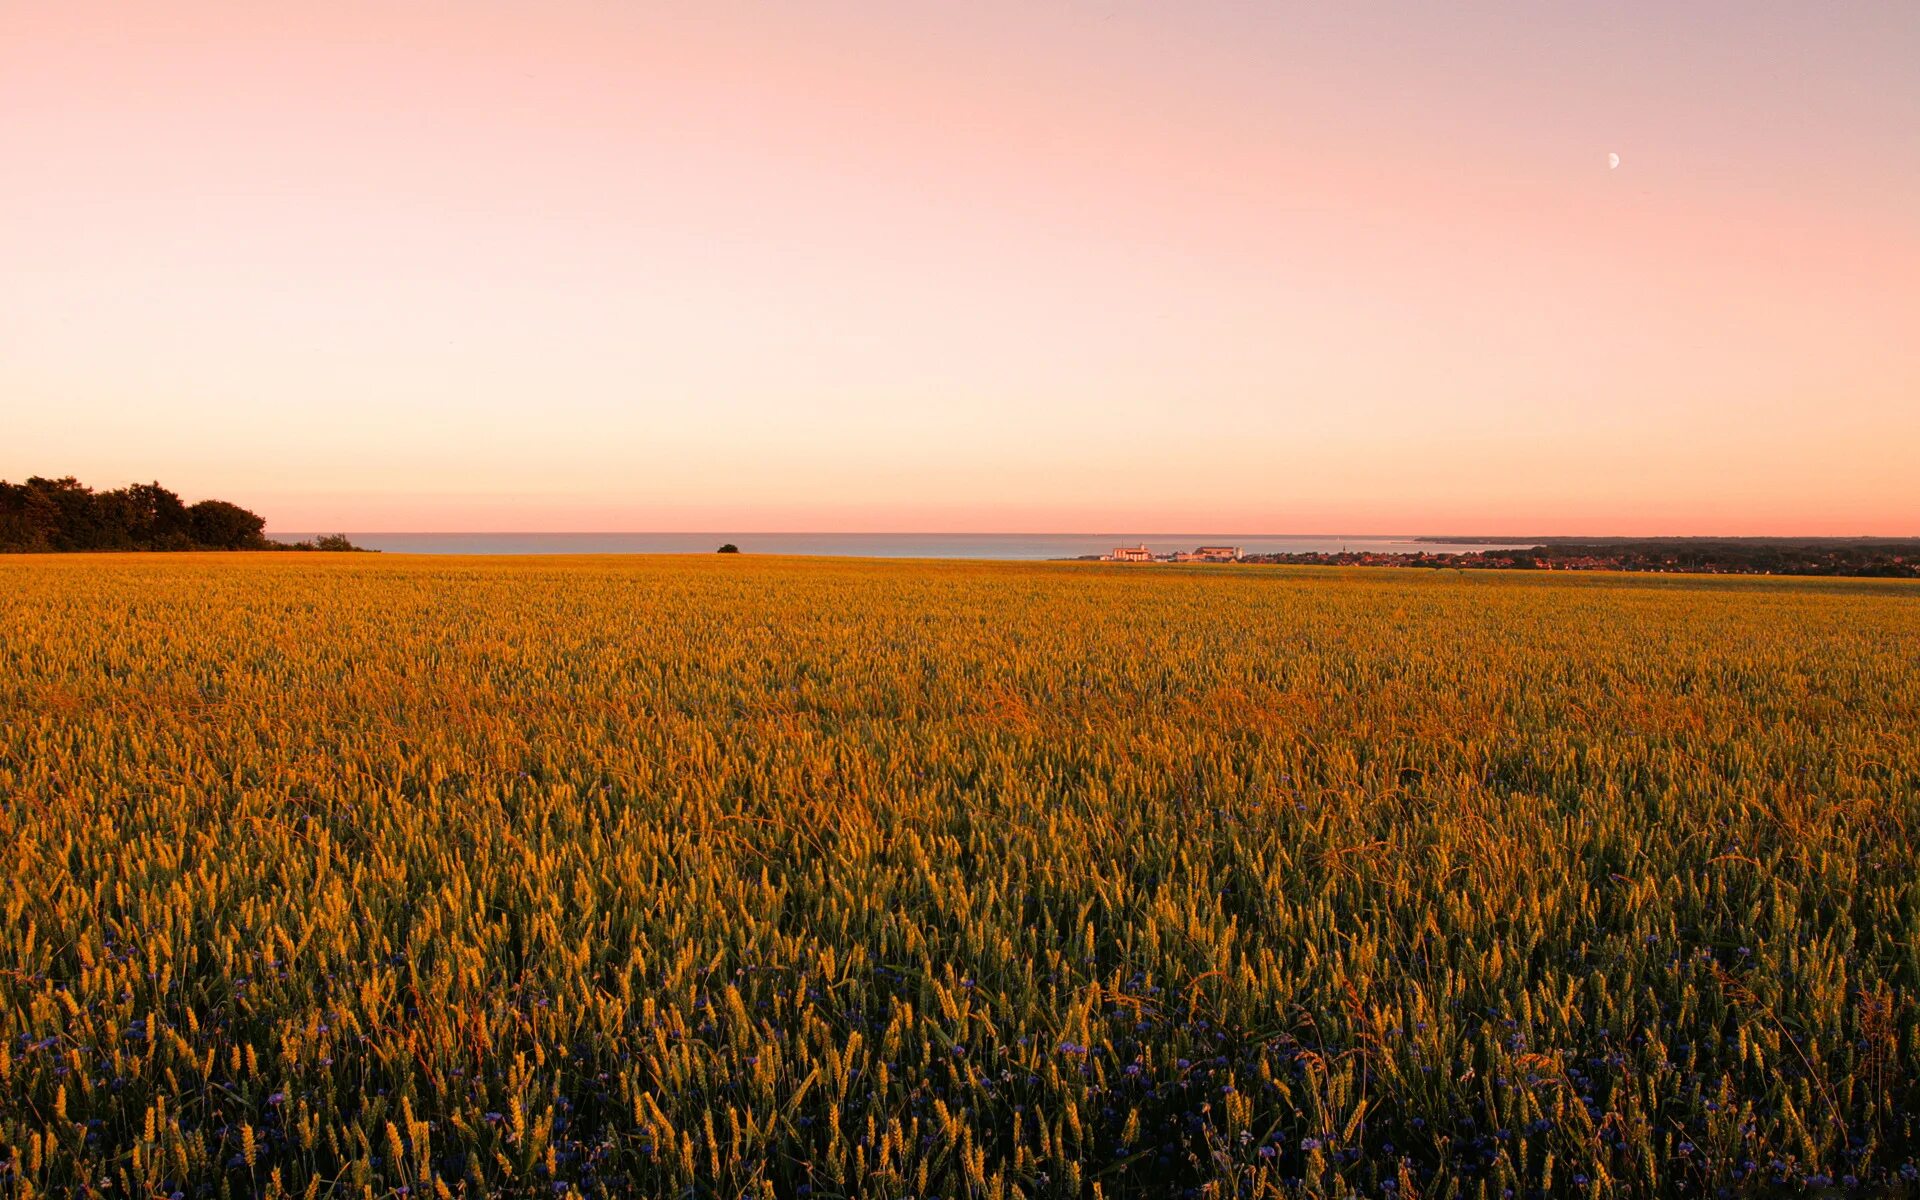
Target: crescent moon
1613	162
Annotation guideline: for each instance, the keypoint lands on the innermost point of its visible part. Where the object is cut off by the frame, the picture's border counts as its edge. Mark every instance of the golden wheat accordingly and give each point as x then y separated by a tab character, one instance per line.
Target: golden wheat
753	877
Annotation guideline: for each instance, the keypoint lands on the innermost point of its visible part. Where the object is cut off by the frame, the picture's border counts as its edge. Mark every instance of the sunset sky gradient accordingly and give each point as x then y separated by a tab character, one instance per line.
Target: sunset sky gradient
1235	267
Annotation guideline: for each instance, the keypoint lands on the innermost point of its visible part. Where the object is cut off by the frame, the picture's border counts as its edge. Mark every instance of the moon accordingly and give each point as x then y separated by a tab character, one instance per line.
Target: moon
1613	162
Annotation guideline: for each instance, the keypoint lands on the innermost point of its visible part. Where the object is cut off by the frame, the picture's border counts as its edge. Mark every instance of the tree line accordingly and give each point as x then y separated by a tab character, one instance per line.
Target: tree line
63	515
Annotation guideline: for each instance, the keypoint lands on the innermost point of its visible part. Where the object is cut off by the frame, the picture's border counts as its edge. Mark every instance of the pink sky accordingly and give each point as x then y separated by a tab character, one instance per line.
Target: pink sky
1238	267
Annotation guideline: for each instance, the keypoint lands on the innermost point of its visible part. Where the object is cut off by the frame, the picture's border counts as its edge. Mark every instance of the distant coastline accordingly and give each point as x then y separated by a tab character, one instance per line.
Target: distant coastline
1676	540
1033	547
1866	557
62	515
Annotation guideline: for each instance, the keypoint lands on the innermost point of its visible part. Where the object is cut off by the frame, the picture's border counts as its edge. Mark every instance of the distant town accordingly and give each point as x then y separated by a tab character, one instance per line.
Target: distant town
1206	554
1883	558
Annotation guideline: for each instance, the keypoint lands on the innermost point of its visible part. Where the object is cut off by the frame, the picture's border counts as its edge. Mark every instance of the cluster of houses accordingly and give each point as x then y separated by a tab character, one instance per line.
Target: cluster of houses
1207	554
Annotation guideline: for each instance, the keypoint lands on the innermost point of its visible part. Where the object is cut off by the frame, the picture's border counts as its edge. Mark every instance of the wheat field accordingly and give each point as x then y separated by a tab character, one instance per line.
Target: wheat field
736	877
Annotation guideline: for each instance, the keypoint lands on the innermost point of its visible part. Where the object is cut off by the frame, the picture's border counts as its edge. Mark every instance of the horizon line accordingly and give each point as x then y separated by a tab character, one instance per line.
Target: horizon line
1884	537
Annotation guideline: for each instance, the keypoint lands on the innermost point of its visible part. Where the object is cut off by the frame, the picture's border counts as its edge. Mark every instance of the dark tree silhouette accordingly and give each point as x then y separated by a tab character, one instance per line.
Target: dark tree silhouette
154	517
226	526
51	515
729	548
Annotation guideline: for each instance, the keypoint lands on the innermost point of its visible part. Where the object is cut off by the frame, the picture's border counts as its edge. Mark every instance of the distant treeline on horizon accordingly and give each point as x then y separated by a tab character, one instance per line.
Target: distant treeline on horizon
64	515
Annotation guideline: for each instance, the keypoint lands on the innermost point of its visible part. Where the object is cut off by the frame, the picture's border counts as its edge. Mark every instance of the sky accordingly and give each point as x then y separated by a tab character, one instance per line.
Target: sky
1077	265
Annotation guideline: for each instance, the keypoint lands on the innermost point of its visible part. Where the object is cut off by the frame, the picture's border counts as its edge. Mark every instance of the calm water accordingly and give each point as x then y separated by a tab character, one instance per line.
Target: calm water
868	545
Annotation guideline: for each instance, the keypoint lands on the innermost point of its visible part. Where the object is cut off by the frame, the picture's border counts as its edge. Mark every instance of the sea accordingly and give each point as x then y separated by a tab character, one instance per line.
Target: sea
1008	546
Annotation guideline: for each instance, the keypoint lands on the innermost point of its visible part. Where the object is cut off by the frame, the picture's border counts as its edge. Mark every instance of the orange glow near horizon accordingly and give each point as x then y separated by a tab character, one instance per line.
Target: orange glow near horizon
1006	267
